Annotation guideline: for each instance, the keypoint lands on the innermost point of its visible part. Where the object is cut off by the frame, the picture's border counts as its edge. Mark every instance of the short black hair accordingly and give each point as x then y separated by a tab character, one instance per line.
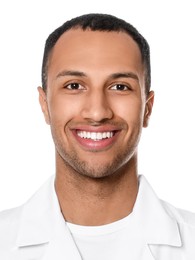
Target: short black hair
98	22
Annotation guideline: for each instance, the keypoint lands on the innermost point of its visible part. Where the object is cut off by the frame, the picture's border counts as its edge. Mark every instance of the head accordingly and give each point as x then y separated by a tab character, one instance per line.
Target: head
96	94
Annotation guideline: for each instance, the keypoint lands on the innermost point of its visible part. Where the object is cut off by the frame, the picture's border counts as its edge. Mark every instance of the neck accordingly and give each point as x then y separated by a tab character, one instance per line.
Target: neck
93	202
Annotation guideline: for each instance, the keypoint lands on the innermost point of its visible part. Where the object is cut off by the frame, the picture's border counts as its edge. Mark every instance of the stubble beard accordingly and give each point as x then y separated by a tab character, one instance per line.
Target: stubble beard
93	169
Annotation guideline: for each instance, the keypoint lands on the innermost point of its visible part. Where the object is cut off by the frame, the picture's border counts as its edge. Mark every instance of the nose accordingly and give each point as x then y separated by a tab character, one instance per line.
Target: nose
97	107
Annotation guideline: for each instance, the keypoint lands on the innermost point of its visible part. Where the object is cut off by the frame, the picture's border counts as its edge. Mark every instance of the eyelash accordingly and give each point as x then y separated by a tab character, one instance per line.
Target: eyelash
123	85
68	86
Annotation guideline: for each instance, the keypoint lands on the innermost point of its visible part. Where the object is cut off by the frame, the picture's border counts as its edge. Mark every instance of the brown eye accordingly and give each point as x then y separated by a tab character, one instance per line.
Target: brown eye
120	87
74	86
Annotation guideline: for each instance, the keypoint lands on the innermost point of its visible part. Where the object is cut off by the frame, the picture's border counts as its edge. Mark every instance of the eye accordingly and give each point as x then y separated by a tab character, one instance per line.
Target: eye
74	86
120	87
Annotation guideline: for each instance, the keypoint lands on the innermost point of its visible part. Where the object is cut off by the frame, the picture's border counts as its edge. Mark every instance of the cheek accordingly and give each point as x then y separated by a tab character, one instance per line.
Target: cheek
63	109
129	109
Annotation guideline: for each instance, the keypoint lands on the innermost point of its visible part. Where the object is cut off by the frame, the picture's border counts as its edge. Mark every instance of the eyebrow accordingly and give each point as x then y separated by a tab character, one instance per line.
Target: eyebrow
112	76
124	75
71	73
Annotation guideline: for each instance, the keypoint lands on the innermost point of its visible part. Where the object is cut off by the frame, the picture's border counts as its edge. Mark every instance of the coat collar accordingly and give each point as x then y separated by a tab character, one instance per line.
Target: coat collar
42	223
38	215
152	219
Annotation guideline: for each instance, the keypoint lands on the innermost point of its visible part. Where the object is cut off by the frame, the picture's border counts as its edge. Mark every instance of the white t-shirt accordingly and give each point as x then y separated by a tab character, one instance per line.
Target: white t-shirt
113	241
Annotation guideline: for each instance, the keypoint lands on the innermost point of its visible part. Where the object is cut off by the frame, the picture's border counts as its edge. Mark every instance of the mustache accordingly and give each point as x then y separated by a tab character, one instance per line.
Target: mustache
104	122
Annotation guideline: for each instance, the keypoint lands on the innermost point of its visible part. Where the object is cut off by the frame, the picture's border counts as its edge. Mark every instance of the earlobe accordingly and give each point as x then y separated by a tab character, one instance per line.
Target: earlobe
43	104
148	108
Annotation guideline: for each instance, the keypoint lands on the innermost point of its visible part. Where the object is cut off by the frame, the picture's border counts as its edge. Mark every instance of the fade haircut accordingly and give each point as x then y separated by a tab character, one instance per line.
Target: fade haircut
98	22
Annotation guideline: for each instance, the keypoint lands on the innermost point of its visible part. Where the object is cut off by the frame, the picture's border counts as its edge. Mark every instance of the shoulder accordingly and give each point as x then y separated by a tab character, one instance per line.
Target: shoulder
11	218
185	220
9	223
183	217
10	214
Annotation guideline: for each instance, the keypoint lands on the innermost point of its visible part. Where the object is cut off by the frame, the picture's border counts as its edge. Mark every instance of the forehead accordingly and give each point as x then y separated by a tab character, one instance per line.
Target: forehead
98	50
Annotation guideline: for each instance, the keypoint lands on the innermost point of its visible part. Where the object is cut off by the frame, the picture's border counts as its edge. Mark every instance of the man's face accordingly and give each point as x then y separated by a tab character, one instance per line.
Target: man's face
96	103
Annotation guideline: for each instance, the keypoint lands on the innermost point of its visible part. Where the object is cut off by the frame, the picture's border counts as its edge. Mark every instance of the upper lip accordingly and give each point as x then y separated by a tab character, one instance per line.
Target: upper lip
96	129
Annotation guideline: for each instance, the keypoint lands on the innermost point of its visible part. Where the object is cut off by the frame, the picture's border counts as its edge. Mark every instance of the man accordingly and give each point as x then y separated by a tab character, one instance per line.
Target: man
96	97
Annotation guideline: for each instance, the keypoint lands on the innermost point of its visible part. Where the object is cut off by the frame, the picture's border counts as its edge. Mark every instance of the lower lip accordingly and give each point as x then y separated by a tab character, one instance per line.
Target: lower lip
90	144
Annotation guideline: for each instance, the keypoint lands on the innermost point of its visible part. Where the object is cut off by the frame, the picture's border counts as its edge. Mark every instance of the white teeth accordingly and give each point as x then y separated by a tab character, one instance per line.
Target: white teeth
95	135
99	136
104	135
85	134
108	135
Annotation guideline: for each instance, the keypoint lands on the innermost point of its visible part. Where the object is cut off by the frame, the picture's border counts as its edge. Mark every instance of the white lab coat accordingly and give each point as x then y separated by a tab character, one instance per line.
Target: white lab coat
37	230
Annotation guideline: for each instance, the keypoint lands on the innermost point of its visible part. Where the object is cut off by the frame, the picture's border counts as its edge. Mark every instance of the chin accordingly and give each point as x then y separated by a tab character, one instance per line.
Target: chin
99	170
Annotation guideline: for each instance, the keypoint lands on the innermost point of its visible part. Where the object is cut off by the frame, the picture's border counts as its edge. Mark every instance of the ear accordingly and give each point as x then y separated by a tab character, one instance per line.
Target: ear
148	108
43	104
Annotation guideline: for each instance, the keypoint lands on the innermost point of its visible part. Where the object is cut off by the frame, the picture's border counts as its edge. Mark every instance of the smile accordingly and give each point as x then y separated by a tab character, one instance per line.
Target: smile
95	136
97	140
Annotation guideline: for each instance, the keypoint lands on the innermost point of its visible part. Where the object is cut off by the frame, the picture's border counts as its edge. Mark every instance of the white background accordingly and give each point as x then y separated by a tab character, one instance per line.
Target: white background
167	148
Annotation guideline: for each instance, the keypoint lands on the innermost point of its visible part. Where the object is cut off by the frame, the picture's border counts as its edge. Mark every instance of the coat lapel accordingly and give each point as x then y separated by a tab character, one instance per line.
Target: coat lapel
62	245
153	223
147	255
43	233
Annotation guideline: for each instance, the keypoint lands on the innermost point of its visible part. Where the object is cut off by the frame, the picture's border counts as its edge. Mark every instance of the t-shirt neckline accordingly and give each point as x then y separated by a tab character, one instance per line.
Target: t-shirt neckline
99	230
